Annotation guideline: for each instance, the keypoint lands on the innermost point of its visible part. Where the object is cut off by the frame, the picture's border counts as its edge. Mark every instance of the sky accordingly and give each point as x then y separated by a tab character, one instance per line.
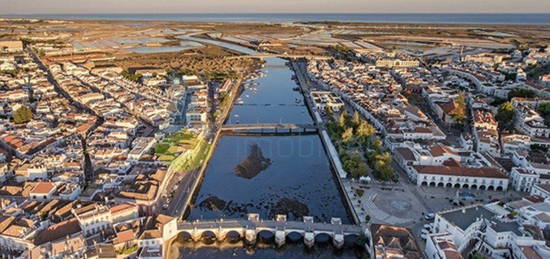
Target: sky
272	6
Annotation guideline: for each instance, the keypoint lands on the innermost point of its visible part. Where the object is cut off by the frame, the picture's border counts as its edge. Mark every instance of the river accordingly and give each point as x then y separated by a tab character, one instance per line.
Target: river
268	174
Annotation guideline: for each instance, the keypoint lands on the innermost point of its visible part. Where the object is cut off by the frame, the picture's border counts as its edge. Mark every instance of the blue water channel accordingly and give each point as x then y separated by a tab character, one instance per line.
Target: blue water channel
298	170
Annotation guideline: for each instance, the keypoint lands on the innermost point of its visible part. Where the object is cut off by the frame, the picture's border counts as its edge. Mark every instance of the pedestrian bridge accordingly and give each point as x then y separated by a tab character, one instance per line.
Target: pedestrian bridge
270	128
280	228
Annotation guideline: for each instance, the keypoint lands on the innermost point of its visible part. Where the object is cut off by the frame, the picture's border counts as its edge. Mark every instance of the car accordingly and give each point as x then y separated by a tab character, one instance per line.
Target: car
424	236
424	232
165	206
429	216
428	226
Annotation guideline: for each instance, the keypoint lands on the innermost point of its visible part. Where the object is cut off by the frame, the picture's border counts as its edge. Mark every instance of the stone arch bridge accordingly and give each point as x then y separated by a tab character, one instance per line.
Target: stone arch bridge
280	227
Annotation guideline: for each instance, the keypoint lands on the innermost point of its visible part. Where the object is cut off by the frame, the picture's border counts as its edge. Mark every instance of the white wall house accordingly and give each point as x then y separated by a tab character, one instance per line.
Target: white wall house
460	177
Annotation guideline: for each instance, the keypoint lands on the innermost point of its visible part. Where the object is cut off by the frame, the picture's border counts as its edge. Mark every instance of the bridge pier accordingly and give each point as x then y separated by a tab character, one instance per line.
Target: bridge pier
309	239
250	236
280	237
220	235
338	240
196	236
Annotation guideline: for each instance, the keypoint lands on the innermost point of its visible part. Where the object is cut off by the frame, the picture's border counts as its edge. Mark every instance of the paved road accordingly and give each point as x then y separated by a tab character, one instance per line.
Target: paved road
180	185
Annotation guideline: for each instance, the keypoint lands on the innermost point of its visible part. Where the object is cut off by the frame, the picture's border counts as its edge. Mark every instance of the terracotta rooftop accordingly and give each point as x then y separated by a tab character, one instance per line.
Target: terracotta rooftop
122	207
43	188
406	153
439	150
68	246
124	236
57	231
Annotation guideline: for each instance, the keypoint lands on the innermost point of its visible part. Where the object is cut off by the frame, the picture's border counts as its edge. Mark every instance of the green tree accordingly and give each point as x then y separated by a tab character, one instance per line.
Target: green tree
544	109
131	77
350	163
359	170
23	114
386	173
365	129
377	145
385	158
347	136
356	119
476	256
520	92
459	114
342	120
505	116
382	166
328	112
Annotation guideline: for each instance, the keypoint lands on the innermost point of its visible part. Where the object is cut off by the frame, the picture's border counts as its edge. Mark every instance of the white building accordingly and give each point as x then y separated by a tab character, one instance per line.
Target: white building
196	115
523	179
94	218
462	224
542	190
488	232
42	191
459	177
324	99
441	246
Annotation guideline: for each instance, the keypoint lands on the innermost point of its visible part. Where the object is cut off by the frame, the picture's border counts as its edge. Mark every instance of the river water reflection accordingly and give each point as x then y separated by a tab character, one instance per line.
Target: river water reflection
298	180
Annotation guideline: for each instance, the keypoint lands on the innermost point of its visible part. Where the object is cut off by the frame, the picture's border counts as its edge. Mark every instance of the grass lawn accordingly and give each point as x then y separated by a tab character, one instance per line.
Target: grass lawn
169	150
166	158
194	159
172	146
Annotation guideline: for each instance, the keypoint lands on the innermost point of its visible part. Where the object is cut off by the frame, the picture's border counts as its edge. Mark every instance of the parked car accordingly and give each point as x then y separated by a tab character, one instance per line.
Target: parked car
429	216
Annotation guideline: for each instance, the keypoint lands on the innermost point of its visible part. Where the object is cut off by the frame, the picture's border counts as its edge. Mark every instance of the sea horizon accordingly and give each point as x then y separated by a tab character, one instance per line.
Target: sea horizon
422	18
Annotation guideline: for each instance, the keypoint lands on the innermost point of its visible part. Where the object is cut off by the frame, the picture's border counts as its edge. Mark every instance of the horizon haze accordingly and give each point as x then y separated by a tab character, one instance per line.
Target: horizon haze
282	6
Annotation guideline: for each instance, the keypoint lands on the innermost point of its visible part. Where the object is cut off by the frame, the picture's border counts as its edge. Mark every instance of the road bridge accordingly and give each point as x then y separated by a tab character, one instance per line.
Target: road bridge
270	128
248	229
